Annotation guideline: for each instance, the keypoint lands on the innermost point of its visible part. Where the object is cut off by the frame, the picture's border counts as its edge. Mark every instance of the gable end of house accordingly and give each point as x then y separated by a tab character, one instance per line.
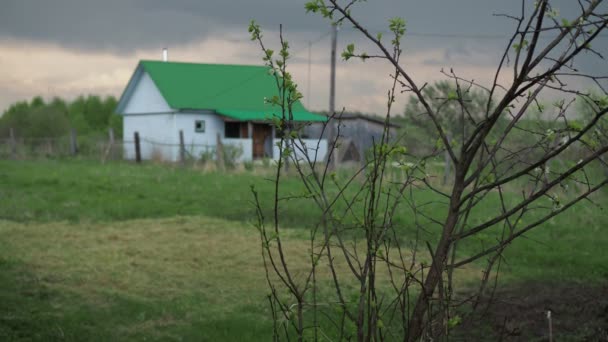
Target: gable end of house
142	96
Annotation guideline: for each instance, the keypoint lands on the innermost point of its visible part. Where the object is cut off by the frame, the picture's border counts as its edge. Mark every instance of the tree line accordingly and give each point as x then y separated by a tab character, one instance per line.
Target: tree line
35	119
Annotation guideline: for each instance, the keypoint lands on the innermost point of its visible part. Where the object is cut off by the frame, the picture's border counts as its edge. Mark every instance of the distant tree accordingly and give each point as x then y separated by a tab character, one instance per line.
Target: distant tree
95	113
462	107
36	118
46	122
37	102
76	114
114	120
59	104
15	117
587	107
109	105
116	124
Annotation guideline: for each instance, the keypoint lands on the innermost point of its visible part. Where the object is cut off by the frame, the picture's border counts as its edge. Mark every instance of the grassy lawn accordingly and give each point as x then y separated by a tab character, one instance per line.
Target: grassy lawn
177	278
44	191
126	252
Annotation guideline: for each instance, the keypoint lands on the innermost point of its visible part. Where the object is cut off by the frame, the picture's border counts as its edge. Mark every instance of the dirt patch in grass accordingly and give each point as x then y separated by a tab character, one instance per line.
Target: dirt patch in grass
579	312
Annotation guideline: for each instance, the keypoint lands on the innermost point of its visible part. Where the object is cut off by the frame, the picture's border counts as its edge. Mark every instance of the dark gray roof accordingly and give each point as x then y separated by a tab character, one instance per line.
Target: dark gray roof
367	117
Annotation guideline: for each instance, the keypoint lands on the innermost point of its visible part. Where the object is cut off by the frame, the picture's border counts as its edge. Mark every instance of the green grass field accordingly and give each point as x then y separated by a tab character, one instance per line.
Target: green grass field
155	252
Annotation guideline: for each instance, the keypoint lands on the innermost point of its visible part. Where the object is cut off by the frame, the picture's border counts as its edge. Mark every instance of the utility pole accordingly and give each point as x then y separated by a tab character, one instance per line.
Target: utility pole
332	131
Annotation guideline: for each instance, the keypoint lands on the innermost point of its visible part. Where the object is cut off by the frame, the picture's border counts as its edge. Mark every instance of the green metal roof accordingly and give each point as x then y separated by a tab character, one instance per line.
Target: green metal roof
244	115
236	91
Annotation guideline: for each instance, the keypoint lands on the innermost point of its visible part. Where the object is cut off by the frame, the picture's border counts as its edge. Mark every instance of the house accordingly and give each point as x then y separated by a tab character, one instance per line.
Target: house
205	103
358	133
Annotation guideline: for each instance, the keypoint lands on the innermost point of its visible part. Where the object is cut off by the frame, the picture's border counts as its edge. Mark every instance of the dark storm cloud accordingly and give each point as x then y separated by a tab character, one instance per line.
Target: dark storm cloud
128	25
135	24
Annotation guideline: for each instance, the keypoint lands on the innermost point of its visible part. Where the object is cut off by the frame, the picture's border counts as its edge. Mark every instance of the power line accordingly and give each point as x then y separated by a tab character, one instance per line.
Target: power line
410	34
456	35
453	35
313	42
470	36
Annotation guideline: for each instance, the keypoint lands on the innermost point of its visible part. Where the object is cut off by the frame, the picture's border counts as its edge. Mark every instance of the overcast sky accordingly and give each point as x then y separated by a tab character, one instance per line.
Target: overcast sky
70	47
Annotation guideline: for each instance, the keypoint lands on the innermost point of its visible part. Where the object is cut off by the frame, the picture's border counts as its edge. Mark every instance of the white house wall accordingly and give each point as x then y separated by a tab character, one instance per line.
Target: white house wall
156	135
159	136
147	113
197	143
244	144
146	98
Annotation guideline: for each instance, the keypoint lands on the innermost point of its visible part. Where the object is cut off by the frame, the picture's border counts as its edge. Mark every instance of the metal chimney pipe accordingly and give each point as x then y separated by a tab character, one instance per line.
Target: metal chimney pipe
165	55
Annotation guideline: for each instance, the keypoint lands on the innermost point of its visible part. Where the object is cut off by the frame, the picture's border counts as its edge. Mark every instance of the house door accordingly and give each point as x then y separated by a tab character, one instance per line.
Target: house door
261	132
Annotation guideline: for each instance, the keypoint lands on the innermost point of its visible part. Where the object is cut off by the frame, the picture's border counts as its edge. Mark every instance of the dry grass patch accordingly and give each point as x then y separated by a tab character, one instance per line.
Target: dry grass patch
142	258
161	258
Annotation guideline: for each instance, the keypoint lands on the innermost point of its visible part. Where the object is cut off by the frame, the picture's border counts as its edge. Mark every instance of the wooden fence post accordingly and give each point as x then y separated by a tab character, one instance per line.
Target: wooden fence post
109	152
49	147
137	149
111	142
550	325
13	144
219	153
73	142
182	148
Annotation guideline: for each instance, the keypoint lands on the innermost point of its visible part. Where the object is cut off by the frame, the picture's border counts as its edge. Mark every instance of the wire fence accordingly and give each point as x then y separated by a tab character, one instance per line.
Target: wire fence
104	148
61	147
98	148
225	154
150	149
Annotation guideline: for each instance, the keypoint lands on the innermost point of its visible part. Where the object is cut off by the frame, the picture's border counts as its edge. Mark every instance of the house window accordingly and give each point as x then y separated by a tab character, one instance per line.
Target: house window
232	130
199	126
